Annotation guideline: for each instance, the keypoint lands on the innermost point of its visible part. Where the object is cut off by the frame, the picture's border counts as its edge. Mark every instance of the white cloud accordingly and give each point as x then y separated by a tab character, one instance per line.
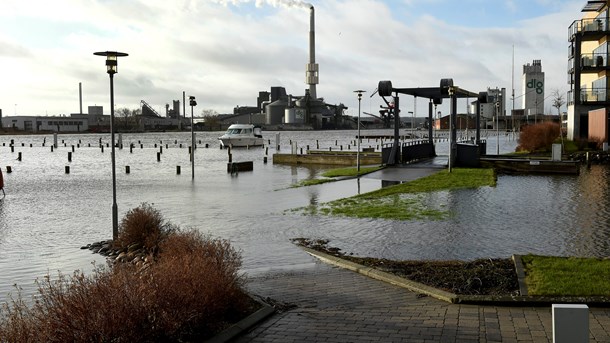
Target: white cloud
225	55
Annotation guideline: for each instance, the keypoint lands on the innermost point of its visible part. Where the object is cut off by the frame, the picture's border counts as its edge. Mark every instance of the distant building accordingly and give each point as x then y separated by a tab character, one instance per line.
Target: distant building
46	124
587	69
533	86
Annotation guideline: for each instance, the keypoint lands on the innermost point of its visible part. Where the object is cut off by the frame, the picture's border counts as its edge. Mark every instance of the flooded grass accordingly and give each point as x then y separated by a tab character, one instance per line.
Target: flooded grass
405	201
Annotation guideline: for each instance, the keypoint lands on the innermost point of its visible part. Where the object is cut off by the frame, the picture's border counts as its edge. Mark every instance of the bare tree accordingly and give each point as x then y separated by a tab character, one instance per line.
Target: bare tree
558	101
209	113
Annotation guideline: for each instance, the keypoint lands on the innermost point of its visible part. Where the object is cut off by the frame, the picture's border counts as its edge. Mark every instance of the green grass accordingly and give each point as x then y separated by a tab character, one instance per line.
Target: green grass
566	276
350	171
406	201
331	175
459	178
311	182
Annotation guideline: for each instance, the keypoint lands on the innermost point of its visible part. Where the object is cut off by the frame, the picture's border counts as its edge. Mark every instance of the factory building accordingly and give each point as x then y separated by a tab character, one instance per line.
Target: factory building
533	86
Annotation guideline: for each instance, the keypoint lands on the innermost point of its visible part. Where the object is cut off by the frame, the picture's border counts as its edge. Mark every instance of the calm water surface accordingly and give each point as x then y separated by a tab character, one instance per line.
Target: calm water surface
48	215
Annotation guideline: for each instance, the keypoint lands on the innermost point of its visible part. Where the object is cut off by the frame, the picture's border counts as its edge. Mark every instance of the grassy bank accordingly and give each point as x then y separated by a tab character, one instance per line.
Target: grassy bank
406	201
547	275
187	288
333	174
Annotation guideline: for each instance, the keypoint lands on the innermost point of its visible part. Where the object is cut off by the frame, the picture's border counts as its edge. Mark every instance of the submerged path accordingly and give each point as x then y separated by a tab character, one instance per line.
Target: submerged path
335	305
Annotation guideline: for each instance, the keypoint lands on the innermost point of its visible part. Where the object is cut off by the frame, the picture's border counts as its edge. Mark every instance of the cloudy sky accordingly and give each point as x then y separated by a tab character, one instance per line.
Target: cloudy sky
225	51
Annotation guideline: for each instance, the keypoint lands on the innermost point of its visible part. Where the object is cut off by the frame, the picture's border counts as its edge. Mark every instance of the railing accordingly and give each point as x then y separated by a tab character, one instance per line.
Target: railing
587	25
590	95
593	60
593	95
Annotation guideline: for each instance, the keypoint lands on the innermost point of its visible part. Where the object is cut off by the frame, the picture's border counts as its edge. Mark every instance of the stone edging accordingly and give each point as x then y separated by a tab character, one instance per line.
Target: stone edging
243	325
451	297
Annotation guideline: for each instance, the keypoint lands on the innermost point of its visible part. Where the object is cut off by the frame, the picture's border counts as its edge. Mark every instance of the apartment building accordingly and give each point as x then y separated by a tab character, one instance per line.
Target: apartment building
588	69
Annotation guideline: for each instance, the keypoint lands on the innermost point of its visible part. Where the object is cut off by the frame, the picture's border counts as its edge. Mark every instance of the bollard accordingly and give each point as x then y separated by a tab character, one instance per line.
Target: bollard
265	160
141	146
178	170
127	170
67	169
570	323
180	145
102	149
78	145
51	148
19	156
158	157
69	156
161	149
155	145
12	148
31	145
206	145
88	145
9	169
22	144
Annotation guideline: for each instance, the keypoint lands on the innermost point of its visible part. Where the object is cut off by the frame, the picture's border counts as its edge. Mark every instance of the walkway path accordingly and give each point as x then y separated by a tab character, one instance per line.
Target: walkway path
336	305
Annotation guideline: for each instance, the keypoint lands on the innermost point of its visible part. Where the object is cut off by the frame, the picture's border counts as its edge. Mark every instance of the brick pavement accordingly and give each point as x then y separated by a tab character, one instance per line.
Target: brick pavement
336	305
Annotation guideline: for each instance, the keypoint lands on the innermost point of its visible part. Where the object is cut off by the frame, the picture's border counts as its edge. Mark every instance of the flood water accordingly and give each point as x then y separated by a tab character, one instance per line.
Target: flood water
48	215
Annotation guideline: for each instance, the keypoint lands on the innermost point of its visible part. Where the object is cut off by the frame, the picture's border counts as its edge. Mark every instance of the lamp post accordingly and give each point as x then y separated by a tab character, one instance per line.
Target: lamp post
193	103
358	144
111	68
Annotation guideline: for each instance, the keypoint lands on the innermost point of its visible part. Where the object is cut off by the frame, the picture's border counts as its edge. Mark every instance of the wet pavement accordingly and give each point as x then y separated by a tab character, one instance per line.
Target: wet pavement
329	304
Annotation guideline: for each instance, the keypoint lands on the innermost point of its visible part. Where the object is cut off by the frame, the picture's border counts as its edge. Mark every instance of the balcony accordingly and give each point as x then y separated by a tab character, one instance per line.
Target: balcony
590	96
589	29
594	62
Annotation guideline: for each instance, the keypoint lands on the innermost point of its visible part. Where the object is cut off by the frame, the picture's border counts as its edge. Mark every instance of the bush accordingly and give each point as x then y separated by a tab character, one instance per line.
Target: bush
190	292
143	226
538	137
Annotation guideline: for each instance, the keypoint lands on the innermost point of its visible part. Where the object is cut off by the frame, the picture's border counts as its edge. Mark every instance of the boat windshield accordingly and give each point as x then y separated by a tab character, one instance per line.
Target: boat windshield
239	131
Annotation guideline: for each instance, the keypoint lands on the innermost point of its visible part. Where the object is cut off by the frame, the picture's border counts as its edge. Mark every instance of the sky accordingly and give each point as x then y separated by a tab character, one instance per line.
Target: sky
224	52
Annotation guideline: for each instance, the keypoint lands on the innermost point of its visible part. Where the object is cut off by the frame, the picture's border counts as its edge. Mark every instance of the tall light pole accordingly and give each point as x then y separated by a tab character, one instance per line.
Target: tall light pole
358	144
112	68
193	103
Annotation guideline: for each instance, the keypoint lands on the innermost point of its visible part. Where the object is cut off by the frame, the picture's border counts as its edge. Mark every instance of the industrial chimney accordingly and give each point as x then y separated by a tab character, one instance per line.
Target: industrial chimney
311	69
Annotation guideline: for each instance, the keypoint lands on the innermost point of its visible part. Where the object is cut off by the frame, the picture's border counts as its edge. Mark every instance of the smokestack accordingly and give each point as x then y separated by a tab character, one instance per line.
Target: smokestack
311	69
80	96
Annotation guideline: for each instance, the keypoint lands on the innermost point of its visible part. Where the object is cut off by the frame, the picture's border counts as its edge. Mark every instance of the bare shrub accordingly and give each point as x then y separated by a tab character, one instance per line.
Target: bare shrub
143	226
538	137
190	292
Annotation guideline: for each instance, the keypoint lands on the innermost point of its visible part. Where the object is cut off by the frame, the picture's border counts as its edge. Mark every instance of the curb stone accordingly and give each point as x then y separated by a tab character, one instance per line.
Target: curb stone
517	300
243	325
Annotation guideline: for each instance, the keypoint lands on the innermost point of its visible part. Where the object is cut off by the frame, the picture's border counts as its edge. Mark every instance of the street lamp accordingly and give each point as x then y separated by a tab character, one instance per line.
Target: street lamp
358	145
111	68
193	103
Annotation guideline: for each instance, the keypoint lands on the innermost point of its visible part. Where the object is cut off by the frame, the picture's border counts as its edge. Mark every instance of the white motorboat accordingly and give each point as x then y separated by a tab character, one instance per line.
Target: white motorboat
242	135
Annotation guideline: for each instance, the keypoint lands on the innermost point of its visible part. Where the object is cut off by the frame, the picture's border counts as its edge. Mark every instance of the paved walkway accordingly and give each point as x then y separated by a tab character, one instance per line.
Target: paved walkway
336	305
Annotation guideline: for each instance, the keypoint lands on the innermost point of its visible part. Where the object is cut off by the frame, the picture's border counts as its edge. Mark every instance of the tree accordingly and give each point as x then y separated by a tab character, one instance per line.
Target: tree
558	101
127	118
209	113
